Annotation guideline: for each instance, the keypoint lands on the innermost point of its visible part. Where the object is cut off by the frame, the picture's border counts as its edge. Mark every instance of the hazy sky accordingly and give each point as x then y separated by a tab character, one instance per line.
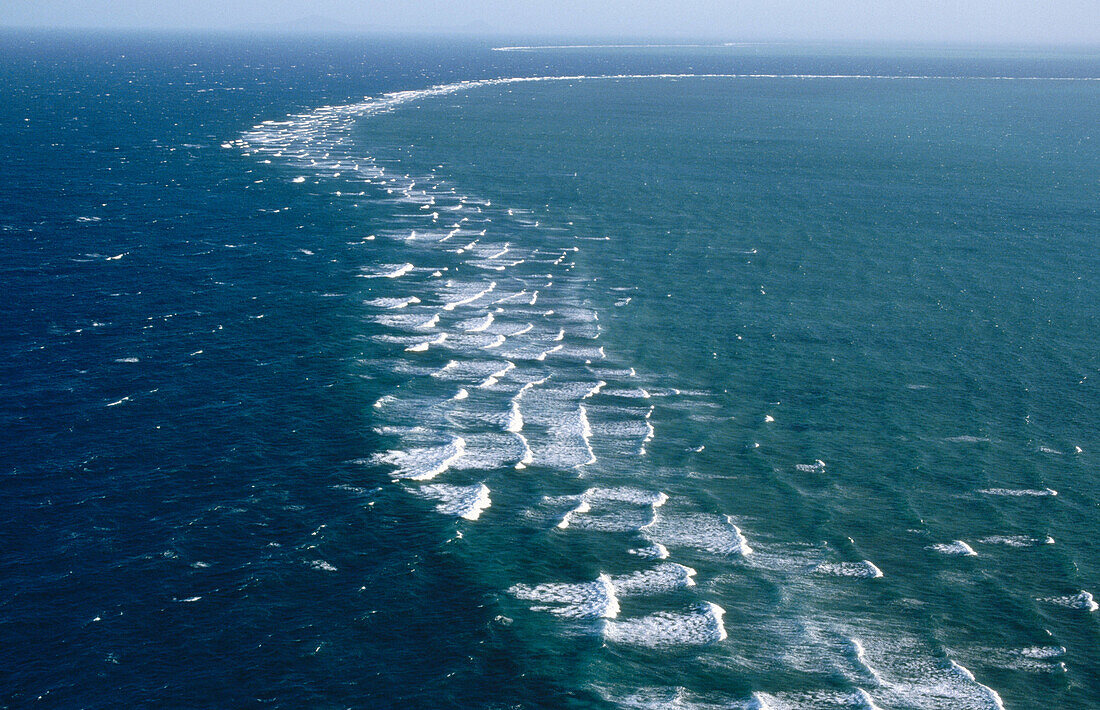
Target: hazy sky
1013	21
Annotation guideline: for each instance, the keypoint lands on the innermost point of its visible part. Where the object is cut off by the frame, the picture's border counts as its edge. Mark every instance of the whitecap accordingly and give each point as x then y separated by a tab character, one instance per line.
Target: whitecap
700	626
585	600
665	577
393	302
460	501
1036	492
716	534
424	345
864	569
1016	540
1082	601
958	547
423	463
389	271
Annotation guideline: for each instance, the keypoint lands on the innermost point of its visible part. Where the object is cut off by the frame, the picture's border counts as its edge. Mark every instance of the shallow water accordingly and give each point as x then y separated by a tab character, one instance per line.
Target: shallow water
768	388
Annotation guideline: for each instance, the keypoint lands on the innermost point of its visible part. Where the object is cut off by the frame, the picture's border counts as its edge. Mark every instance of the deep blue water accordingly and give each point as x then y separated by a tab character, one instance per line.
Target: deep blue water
846	330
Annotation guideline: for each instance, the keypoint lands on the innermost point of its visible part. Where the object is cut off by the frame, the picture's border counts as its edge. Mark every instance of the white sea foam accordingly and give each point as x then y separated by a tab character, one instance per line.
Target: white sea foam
958	547
459	501
665	577
990	694
477	325
510	297
465	300
629	392
863	700
700	626
558	409
1043	652
393	302
389	271
864	569
1083	601
1016	540
423	463
608	509
716	534
488	451
543	355
654	550
428	323
649	434
566	520
522	331
444	371
495	376
424	345
515	418
407	321
595	389
528	455
1036	492
907	674
586	434
585	600
865	666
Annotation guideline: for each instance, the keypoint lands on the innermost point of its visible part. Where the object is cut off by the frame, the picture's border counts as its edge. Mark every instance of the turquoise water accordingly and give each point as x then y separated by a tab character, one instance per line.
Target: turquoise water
860	285
737	390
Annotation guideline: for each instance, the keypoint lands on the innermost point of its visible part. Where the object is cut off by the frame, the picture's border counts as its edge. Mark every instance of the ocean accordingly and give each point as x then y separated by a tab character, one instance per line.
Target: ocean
359	372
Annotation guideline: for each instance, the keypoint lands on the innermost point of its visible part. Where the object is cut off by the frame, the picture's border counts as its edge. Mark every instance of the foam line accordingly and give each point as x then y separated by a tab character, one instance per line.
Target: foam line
465	502
451	305
586	435
426	463
864	701
481	325
958	547
422	347
495	377
861	659
393	302
595	390
701	626
528	455
990	694
543	355
587	600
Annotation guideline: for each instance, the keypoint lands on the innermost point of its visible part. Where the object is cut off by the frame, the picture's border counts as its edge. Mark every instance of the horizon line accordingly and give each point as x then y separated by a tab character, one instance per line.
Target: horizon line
590	41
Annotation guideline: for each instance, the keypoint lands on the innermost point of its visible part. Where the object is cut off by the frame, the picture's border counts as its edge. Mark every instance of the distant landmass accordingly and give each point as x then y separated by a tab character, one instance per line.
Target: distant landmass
325	24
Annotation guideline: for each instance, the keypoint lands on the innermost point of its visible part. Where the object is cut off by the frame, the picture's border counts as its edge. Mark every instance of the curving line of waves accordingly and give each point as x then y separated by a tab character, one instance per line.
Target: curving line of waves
516	408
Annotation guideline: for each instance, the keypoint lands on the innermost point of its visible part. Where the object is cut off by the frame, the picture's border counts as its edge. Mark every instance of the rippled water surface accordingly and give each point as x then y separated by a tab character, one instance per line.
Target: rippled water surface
634	378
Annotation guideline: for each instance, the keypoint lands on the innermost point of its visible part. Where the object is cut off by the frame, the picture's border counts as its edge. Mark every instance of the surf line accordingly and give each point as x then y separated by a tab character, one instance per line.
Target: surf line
342	114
